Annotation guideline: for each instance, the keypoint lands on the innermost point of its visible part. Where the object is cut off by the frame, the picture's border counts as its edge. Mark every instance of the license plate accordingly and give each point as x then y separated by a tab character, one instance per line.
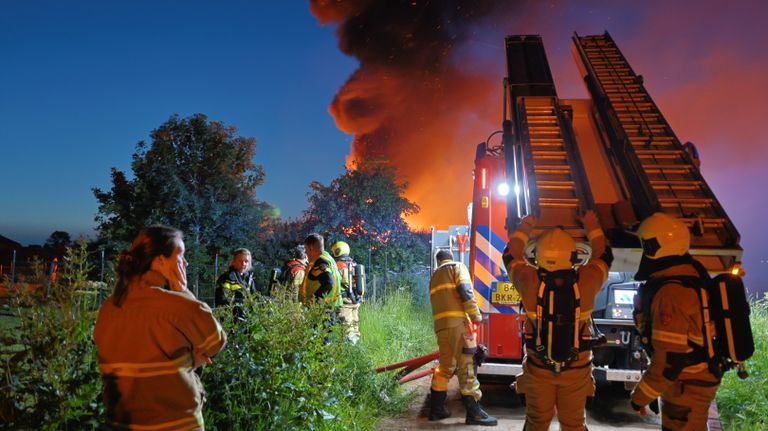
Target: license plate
504	292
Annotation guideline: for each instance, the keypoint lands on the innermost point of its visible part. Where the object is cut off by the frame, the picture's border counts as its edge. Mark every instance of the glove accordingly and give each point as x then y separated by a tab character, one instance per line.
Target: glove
654	406
638	408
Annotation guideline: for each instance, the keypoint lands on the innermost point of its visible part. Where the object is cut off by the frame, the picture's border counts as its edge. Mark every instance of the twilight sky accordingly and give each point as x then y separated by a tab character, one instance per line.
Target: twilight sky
82	82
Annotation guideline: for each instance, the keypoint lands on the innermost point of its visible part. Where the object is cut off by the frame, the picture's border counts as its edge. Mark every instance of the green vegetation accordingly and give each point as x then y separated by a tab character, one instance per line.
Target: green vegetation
50	375
743	404
276	362
275	372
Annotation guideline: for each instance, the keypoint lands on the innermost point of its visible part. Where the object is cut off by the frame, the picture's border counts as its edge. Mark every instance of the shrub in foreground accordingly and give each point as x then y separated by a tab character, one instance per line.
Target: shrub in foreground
743	404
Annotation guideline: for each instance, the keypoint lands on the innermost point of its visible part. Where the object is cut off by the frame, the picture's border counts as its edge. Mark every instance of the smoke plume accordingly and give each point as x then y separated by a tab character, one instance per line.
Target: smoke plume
412	101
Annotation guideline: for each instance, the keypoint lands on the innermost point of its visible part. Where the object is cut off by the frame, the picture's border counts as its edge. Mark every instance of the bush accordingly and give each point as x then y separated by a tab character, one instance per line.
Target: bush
51	378
741	406
277	373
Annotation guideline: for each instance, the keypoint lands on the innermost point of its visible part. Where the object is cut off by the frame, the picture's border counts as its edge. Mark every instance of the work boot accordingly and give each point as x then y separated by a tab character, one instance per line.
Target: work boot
476	415
437	408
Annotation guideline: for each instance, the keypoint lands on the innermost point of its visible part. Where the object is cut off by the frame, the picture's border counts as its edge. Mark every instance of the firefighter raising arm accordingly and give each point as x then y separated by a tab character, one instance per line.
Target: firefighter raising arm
602	257
519	272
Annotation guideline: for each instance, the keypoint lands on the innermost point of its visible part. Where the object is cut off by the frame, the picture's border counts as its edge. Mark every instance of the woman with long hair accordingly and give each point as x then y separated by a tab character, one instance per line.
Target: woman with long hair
152	334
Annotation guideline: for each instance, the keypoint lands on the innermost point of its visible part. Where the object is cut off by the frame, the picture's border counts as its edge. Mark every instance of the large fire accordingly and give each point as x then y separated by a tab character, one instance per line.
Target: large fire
410	102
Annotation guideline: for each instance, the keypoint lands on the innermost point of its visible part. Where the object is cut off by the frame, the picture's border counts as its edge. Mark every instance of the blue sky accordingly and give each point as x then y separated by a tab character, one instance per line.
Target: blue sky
82	82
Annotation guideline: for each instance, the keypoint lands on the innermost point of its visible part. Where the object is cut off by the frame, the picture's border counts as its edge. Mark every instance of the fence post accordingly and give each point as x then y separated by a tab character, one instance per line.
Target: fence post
101	279
101	275
13	267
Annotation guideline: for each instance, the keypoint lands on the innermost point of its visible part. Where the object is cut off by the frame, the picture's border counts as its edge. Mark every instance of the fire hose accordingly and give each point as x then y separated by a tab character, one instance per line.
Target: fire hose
408	367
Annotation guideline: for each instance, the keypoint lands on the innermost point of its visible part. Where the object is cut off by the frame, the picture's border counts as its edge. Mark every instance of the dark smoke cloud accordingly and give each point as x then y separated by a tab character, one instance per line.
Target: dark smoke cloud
410	102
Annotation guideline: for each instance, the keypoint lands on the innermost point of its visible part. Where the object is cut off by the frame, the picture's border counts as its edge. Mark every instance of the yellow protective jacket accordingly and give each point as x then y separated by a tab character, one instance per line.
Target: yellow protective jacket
322	281
526	280
676	321
450	292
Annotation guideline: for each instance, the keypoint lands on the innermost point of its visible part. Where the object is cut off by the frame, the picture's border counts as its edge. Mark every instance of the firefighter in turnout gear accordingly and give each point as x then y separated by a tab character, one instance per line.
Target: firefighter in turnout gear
350	309
454	311
322	281
673	318
237	283
557	367
292	273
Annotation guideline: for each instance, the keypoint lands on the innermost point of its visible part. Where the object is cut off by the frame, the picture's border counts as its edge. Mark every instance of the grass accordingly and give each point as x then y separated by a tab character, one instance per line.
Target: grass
743	404
396	329
393	329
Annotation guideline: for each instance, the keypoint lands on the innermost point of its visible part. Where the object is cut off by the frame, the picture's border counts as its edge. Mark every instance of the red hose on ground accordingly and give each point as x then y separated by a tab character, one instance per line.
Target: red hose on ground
414	363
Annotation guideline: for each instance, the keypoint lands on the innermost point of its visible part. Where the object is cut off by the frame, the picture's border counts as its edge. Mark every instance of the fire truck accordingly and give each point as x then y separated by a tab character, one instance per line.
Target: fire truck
614	153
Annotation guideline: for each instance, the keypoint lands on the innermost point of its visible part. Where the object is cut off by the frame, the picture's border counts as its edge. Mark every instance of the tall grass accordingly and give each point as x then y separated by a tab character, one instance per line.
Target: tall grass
393	329
743	404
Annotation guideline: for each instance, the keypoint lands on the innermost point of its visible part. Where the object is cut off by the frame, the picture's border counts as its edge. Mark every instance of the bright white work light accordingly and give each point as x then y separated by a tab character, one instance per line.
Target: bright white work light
503	189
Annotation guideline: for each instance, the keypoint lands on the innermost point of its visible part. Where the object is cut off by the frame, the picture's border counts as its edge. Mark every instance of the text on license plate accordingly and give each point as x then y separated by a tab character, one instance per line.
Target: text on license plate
505	293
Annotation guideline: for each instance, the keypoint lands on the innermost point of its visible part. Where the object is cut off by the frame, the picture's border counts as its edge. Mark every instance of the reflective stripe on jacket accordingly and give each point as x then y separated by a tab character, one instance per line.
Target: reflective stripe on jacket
312	280
450	292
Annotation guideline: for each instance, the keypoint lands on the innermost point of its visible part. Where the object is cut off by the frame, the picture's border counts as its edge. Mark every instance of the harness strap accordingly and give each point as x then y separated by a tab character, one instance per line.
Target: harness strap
556	367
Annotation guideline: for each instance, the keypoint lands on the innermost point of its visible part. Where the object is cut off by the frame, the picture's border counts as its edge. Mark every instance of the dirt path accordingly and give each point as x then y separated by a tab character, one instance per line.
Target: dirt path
610	411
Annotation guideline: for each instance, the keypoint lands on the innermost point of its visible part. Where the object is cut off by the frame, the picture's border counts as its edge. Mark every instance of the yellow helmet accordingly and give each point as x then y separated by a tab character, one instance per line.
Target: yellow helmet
662	235
555	250
339	248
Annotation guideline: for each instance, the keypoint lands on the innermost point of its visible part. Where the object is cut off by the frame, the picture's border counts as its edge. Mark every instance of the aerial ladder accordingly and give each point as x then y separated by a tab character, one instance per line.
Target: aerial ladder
657	171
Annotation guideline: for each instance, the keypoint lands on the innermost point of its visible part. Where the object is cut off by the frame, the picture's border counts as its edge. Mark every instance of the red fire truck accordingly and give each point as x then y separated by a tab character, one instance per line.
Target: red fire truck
614	153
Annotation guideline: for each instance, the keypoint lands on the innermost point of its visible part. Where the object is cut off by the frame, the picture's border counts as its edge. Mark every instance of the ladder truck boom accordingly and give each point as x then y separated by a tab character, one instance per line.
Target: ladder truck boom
614	153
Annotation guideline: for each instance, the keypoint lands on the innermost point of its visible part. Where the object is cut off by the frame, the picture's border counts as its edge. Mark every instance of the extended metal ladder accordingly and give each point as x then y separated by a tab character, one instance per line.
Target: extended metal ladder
546	163
557	190
658	171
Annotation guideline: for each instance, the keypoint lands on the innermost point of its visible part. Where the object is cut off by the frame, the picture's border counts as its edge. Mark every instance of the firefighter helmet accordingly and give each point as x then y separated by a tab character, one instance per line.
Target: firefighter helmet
555	250
662	235
339	248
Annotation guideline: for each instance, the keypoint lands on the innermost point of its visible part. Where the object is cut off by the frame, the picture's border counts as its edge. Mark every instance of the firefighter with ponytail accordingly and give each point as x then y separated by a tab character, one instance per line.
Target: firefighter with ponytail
152	334
558	296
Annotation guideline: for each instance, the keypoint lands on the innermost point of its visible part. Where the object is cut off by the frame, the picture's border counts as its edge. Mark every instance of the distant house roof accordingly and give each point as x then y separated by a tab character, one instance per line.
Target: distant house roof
7	244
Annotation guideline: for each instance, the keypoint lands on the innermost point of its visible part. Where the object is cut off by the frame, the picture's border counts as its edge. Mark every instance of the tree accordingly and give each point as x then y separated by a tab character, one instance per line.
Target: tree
57	243
195	175
366	208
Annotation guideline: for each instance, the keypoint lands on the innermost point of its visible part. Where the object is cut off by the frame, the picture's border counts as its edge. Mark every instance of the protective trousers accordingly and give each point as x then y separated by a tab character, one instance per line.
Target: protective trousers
544	391
455	359
685	405
350	319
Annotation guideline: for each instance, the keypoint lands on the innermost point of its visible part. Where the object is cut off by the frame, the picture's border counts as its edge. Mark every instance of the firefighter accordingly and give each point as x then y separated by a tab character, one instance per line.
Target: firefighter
678	371
293	271
237	283
322	281
350	309
547	385
454	311
152	334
